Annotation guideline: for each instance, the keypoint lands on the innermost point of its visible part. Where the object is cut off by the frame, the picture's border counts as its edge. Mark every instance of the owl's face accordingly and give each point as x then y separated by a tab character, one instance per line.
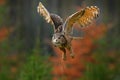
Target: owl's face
59	40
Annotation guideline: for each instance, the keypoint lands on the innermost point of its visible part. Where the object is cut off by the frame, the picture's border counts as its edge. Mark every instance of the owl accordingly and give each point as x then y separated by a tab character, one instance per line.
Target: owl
62	29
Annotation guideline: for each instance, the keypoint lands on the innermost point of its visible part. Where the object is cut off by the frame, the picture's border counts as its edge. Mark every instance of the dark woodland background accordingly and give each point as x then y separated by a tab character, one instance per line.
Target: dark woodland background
26	52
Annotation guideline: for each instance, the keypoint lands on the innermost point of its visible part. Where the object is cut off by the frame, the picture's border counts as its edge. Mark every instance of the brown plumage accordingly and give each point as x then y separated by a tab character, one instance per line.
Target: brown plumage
61	37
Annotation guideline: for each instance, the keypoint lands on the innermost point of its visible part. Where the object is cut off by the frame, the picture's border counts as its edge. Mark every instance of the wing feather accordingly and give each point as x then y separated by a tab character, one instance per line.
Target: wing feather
43	11
53	19
83	17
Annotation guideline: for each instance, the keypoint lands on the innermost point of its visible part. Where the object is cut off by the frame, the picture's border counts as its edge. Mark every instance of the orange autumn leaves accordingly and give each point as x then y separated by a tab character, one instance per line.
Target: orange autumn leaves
72	69
2	2
4	33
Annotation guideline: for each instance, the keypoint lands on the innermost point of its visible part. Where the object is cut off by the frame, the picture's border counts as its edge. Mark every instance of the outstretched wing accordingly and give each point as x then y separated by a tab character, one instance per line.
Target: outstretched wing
53	19
83	17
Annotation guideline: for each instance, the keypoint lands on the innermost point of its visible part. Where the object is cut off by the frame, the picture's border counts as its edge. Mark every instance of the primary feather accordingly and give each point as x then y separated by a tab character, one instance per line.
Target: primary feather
53	19
83	17
43	11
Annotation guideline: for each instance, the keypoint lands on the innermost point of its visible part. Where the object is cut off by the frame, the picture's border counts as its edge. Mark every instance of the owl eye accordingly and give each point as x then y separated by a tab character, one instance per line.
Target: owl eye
58	37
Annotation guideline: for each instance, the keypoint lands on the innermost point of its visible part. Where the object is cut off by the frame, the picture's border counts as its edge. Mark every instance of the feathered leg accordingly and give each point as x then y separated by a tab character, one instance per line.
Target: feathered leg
63	53
69	47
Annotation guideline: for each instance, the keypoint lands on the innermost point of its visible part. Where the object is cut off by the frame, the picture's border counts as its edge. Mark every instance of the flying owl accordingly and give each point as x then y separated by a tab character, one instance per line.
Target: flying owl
62	30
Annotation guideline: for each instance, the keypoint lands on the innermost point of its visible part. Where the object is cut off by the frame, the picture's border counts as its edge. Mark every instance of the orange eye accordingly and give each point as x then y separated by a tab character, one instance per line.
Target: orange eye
58	37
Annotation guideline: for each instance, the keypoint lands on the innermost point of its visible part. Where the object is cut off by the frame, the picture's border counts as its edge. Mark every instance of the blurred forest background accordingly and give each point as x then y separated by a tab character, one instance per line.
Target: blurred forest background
26	52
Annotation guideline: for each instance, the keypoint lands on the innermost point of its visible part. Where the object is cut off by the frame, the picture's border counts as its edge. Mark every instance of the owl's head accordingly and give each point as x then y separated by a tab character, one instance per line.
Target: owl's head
59	40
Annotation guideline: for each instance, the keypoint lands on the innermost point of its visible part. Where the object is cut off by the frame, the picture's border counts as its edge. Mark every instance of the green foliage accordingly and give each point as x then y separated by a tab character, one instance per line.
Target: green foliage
36	68
3	10
96	72
4	73
21	65
106	66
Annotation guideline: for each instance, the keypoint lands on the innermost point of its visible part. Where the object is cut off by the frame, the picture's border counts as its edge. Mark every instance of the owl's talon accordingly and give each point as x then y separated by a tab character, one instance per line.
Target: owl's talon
72	55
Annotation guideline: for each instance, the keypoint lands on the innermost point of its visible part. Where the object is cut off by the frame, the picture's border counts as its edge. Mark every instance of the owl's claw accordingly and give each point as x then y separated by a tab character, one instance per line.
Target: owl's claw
72	55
